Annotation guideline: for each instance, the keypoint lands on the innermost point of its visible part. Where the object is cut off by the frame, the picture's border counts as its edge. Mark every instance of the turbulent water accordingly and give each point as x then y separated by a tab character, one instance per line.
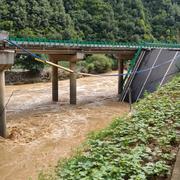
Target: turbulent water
42	132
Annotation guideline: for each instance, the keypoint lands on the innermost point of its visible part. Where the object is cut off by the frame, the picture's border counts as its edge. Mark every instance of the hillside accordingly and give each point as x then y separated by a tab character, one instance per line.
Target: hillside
125	20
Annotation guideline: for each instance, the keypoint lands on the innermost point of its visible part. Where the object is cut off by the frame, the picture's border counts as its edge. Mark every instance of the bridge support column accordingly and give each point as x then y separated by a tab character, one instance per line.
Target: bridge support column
6	61
55	93
121	57
2	106
120	77
55	89
73	88
72	58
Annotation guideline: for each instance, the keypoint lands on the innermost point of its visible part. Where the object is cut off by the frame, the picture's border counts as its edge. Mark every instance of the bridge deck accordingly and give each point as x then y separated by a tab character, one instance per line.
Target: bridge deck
71	47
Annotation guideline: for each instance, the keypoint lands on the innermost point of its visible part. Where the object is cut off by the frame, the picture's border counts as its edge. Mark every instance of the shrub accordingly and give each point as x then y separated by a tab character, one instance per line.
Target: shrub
97	64
28	62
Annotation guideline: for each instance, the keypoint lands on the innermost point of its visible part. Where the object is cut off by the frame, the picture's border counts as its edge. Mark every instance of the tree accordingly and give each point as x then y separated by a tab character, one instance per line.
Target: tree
28	63
102	20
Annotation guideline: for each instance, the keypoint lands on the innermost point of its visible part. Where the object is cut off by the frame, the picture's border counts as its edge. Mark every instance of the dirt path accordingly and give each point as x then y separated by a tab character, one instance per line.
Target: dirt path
42	132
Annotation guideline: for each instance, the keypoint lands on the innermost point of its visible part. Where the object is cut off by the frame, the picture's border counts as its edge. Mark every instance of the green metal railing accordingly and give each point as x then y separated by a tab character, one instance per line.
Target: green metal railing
44	41
132	63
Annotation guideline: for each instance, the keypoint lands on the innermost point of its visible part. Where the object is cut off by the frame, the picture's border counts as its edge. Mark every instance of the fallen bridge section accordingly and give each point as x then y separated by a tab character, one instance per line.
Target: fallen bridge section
155	69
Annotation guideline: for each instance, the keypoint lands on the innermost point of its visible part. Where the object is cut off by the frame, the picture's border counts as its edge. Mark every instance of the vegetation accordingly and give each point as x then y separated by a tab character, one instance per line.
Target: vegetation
108	20
28	63
91	64
137	147
97	20
96	64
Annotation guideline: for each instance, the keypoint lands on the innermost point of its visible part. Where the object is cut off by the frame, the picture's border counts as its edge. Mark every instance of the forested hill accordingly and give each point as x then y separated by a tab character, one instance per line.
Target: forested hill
110	20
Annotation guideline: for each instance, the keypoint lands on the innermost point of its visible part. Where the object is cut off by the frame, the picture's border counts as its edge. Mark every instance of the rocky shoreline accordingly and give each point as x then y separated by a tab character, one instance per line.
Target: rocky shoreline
15	77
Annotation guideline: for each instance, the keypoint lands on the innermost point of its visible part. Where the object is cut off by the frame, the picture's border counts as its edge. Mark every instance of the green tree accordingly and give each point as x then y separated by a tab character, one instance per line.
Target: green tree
28	63
104	20
98	63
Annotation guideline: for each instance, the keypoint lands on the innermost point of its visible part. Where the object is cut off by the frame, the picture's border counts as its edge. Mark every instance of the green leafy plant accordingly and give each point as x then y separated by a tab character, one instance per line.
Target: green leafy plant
96	64
28	63
137	147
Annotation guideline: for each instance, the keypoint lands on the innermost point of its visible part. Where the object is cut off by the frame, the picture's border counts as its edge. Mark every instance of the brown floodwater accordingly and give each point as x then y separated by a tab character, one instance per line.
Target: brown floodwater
42	132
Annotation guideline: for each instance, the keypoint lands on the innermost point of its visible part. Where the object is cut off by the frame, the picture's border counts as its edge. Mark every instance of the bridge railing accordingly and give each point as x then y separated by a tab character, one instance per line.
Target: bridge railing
132	64
78	43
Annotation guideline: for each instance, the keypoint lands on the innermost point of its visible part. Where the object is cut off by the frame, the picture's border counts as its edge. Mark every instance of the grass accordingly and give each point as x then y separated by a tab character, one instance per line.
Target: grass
137	147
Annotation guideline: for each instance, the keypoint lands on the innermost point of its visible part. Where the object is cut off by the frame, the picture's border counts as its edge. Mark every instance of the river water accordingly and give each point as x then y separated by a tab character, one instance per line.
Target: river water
42	132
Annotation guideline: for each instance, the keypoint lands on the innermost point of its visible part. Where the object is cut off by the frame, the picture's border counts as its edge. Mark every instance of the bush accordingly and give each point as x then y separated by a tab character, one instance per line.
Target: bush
97	64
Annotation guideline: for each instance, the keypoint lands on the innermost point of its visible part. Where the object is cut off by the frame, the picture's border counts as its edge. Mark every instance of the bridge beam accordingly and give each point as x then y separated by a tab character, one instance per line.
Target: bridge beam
67	57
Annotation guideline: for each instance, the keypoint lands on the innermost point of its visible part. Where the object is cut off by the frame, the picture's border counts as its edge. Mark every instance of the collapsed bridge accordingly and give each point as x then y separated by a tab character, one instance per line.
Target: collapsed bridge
143	56
152	64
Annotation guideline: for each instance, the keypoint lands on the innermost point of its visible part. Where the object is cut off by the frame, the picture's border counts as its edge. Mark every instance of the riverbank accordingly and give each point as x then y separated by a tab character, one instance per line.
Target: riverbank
19	76
141	146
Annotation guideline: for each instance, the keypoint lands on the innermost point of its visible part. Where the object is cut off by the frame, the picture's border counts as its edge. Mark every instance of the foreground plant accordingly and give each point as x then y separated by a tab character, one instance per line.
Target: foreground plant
139	147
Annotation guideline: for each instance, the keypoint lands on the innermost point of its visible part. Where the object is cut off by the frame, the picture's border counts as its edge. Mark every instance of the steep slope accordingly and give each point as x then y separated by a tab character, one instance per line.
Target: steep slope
125	20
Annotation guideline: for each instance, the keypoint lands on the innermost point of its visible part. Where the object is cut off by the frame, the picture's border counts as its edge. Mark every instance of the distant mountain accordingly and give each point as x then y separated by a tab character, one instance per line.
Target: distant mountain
105	20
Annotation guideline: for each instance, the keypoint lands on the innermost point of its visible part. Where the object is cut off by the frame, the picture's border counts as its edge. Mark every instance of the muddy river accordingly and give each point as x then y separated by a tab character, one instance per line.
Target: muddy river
42	132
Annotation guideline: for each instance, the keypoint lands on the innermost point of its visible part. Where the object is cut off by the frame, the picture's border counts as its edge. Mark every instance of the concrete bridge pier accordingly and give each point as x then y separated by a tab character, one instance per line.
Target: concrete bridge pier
121	58
120	77
73	84
2	105
6	61
55	84
72	58
54	79
120	61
